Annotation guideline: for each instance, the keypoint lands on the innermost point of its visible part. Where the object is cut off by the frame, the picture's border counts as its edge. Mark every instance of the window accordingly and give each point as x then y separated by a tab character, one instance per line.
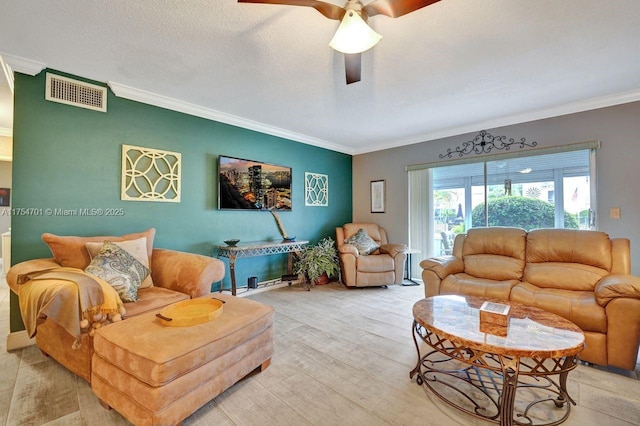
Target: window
545	190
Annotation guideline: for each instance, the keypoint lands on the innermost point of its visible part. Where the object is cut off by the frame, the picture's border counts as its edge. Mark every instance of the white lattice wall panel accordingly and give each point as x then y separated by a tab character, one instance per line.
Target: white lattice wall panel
150	174
316	189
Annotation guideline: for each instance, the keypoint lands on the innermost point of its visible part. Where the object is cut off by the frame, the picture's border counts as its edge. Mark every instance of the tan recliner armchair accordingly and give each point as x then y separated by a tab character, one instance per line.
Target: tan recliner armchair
382	267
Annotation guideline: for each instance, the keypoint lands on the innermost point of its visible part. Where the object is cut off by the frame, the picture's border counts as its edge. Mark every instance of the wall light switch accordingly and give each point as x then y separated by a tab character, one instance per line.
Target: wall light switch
614	213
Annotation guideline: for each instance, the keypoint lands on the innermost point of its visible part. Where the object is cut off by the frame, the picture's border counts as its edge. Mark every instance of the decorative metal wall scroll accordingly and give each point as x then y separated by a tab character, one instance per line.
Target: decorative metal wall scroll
150	174
316	189
484	143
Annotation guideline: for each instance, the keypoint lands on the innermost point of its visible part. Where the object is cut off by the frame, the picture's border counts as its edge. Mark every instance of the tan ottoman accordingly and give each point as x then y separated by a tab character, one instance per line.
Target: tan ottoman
153	374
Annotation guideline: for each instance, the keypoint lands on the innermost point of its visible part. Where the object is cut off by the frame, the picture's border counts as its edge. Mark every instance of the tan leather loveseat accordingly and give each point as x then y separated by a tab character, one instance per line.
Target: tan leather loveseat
583	276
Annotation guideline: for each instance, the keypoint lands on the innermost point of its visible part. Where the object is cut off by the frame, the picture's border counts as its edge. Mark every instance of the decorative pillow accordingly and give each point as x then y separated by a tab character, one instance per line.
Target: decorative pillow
71	252
120	269
363	242
136	248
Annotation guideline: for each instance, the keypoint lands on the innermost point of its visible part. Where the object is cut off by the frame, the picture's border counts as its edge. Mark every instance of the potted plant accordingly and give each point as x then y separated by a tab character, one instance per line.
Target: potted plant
317	261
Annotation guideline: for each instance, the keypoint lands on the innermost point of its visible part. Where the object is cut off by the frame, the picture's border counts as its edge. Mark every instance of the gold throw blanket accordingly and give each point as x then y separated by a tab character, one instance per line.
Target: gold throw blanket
66	296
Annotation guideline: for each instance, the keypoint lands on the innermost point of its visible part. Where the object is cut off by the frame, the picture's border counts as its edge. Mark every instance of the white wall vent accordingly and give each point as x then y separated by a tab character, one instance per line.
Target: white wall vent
76	93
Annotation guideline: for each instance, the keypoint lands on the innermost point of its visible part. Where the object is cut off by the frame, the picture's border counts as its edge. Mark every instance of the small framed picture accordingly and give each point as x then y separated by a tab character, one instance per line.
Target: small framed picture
377	196
5	197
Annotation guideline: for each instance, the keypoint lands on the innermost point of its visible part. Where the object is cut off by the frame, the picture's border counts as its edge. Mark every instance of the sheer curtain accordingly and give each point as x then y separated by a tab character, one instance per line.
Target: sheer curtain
421	217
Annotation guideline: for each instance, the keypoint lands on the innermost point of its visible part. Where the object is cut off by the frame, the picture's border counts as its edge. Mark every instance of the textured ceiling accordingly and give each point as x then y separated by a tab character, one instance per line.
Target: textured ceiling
456	66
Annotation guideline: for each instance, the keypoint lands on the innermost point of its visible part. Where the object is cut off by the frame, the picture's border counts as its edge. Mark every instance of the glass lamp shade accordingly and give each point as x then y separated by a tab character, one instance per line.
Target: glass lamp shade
354	35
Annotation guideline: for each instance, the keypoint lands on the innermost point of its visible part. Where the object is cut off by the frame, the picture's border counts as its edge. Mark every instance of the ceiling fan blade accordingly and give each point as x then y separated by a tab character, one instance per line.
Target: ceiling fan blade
329	10
395	8
352	64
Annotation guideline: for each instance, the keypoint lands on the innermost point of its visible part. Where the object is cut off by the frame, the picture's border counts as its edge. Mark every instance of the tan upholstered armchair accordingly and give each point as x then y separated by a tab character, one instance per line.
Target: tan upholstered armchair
383	266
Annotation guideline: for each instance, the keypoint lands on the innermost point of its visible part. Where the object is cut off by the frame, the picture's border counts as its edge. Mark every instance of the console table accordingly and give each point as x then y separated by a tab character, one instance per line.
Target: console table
258	248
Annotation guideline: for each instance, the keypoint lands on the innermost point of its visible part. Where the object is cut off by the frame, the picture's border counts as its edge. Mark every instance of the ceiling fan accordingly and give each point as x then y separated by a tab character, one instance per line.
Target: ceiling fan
354	35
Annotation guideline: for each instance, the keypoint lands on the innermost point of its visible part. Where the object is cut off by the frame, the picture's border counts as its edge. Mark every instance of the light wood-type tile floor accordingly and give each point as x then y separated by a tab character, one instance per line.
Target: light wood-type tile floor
342	358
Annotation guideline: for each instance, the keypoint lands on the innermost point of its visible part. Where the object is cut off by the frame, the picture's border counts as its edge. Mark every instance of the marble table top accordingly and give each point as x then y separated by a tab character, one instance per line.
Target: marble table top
257	245
531	332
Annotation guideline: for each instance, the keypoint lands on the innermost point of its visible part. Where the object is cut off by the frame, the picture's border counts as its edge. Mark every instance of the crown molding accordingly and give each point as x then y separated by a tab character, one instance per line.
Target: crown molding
138	95
8	73
11	64
22	65
556	111
5	131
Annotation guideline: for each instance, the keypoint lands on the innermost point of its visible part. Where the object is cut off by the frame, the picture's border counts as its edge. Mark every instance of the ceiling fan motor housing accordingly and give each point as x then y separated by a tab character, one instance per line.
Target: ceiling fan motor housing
356	6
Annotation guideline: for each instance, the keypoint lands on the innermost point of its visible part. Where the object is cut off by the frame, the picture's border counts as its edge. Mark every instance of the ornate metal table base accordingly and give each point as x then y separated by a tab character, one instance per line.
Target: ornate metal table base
494	387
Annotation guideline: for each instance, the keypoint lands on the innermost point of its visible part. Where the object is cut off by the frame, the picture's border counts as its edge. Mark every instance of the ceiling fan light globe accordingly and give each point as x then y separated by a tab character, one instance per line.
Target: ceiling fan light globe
354	35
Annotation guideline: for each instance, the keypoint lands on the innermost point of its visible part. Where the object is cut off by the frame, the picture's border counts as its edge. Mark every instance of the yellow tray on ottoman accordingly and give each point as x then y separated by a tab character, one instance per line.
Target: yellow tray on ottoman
190	312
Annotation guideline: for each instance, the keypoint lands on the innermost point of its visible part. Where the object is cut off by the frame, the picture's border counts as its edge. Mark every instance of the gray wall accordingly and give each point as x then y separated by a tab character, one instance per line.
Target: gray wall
618	168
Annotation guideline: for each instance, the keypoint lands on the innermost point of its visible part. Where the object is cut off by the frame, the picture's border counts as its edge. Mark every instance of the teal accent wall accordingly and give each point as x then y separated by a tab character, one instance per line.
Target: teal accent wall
66	157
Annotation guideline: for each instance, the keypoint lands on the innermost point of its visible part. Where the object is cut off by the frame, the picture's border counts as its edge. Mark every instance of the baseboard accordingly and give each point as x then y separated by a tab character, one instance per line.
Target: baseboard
19	340
270	285
262	287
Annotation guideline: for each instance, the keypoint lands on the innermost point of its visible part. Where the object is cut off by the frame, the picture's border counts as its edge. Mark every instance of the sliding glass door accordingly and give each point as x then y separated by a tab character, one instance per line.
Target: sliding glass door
554	190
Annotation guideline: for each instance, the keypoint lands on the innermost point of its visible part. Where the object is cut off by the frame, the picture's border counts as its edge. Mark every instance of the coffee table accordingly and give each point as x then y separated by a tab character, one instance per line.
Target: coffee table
520	378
